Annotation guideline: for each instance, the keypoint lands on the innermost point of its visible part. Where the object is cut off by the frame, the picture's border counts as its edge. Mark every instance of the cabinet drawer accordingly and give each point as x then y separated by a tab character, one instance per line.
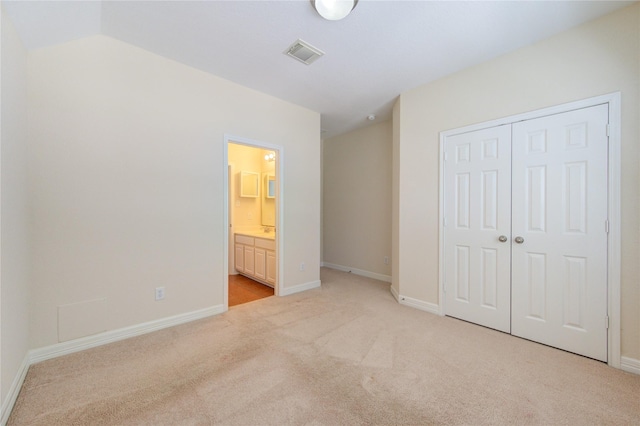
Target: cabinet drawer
265	244
243	239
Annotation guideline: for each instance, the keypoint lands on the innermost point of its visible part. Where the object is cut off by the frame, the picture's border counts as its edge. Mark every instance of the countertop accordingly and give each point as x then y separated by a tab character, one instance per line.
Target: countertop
258	234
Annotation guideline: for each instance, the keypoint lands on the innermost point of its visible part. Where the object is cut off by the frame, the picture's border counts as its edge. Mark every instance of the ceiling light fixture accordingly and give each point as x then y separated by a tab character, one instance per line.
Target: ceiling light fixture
270	156
334	10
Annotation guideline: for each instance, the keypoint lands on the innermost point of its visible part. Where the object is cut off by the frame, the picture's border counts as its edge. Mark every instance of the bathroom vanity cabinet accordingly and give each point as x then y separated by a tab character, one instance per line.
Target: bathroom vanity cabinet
255	257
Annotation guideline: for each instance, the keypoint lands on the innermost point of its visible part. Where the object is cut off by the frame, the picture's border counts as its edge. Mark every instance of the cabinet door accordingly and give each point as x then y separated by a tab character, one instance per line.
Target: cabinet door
239	258
249	264
271	267
260	263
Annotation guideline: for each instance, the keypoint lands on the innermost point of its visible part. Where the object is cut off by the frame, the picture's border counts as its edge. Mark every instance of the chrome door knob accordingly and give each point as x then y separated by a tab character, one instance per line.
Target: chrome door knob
502	238
519	240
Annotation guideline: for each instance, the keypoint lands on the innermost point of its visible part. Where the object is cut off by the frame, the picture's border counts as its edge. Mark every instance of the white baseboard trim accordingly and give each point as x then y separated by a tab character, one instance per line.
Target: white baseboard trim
49	352
76	345
14	390
395	294
630	365
300	287
368	274
432	308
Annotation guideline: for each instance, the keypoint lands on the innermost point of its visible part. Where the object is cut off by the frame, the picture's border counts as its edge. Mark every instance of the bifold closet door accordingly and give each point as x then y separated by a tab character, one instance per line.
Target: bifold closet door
525	232
477	230
559	244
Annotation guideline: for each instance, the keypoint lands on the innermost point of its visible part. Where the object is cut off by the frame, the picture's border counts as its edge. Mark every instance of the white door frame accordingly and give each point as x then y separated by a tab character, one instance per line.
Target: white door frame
614	208
279	149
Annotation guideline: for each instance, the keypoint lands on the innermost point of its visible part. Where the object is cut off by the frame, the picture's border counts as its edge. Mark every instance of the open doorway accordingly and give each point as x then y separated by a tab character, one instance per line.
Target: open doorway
253	200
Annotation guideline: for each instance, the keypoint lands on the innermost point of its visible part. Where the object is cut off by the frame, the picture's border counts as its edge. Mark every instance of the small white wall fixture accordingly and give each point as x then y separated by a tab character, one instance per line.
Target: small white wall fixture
614	204
279	237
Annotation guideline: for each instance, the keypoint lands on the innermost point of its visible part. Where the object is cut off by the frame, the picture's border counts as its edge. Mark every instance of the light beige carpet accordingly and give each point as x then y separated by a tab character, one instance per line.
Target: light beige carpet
345	354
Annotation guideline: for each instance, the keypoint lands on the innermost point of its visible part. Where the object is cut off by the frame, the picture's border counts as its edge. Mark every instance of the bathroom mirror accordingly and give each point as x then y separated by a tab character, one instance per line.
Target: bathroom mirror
269	186
249	184
269	199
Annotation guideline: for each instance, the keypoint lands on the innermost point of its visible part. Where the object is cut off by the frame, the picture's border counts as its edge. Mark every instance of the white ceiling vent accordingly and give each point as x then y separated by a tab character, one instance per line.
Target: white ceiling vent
303	52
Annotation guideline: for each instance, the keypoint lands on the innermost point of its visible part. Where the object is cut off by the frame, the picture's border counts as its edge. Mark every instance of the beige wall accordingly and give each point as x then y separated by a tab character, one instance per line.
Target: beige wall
596	58
14	267
357	199
126	159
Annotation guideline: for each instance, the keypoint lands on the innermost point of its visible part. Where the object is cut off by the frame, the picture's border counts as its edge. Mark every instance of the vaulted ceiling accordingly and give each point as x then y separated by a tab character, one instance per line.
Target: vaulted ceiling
380	50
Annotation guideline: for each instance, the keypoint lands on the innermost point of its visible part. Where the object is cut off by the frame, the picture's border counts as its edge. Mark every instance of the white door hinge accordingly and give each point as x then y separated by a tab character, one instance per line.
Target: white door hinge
608	130
444	222
606	226
445	156
606	322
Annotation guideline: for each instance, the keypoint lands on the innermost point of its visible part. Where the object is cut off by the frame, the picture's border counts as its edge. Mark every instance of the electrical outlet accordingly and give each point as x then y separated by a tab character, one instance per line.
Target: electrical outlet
386	260
302	266
159	293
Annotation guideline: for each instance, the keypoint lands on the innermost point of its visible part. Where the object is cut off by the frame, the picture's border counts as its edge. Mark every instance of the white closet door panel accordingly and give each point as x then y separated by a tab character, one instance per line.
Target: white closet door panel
477	208
559	283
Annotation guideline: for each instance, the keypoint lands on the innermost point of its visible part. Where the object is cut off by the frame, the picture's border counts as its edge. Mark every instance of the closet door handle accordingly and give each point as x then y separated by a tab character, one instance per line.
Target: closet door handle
519	240
502	238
